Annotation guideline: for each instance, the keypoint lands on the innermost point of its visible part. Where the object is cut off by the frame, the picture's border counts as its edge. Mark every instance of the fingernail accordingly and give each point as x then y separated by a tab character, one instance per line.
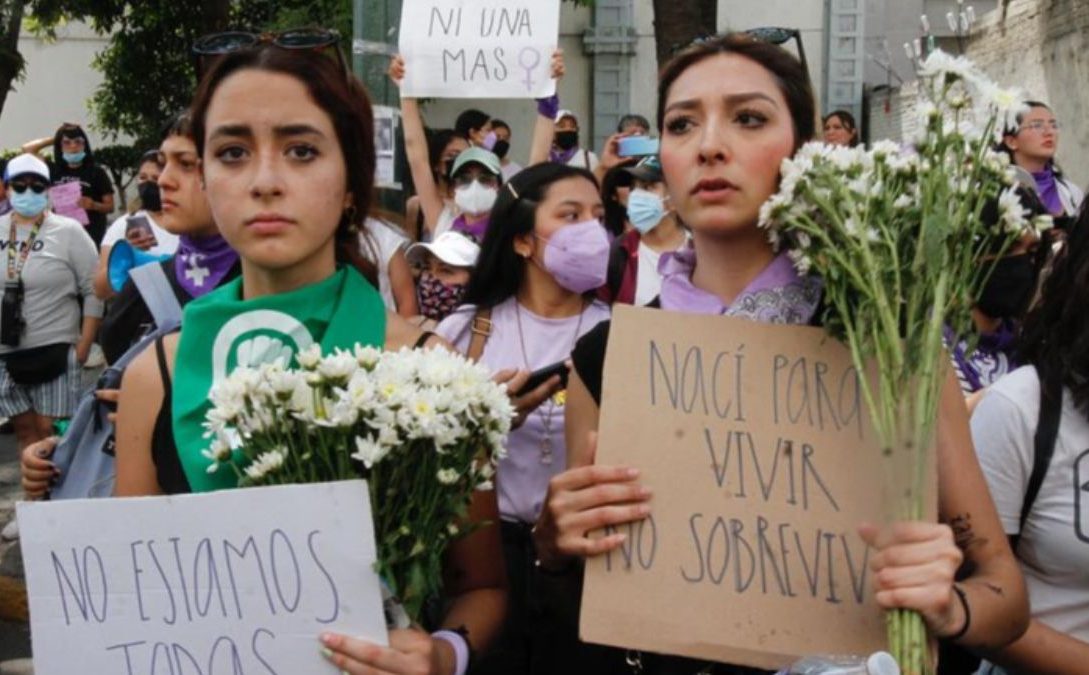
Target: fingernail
327	653
326	638
644	510
633	473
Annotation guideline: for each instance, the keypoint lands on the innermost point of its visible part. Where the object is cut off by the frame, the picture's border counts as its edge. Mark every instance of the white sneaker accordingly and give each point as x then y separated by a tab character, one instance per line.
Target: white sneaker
96	358
10	531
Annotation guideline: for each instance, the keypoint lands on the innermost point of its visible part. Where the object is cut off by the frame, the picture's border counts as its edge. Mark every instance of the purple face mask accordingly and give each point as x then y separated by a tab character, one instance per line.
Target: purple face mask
577	256
489	140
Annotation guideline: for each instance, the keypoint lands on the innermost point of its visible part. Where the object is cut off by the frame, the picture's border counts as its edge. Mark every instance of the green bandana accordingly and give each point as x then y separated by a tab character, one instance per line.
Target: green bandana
221	332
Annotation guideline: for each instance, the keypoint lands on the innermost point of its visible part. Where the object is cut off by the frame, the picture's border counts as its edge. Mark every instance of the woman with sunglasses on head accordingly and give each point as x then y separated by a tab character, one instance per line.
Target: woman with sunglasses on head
289	187
50	314
1032	145
528	301
140	228
730	109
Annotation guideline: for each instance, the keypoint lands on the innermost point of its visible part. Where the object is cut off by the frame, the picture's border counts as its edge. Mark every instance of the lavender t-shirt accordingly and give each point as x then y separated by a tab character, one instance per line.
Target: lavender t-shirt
522	479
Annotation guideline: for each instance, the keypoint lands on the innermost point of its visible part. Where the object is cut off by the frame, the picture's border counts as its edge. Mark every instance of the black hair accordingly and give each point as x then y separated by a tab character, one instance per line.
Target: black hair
72	131
500	124
632	118
616	214
152	155
790	75
179	124
499	270
1015	128
437	140
1055	334
470	120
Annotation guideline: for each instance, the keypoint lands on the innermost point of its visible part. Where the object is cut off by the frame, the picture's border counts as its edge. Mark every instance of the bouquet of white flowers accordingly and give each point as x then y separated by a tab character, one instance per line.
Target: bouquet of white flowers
904	239
424	427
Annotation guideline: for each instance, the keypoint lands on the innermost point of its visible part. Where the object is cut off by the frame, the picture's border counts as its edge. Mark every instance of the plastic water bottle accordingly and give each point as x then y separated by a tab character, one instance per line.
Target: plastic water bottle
880	663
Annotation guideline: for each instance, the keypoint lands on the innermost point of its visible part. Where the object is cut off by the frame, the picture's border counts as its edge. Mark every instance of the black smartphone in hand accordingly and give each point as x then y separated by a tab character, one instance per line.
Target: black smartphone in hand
542	375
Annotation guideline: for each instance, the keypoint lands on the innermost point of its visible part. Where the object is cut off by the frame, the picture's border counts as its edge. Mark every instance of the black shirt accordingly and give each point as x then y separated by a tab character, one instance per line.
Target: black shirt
94	183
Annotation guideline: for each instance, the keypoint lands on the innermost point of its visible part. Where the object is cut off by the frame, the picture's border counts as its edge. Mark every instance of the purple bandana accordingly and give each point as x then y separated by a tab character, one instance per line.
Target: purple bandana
561	156
201	263
1048	189
992	358
475	231
776	295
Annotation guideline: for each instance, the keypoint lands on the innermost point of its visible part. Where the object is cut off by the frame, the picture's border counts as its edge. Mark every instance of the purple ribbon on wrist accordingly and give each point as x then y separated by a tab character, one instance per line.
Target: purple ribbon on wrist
548	106
460	646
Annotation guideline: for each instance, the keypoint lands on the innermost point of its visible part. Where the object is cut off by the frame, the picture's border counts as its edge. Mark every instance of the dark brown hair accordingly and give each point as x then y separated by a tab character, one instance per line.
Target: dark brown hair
344	99
848	121
792	78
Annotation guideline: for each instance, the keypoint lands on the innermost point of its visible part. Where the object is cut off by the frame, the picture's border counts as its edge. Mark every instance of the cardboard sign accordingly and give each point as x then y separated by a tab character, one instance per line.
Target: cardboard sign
65	199
479	48
756	444
238	581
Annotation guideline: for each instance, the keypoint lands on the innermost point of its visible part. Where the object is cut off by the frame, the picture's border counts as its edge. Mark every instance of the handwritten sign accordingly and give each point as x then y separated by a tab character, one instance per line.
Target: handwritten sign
238	581
479	48
756	444
65	199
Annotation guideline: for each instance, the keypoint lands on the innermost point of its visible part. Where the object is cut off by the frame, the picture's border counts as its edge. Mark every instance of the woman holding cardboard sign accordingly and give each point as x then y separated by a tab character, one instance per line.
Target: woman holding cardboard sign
289	187
730	110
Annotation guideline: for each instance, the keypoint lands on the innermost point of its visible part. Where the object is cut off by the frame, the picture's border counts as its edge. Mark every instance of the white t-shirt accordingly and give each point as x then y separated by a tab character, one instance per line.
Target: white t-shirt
446	219
584	159
1054	547
387	240
165	242
648	283
510	170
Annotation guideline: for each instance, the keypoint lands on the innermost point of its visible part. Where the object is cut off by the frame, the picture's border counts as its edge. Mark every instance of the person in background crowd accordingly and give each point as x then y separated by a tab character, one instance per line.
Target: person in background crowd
615	188
565	145
445	266
542	258
153	239
476	127
50	313
1032	145
634	278
840	129
384	245
502	149
477	177
5	203
730	109
74	161
633	125
442	147
289	186
1038	416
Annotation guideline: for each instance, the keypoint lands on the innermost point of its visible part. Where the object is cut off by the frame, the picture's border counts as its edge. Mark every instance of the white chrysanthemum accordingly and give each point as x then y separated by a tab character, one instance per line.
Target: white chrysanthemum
267	462
367	357
447	476
218	453
368	451
338	366
903	202
309	358
939	63
1011	211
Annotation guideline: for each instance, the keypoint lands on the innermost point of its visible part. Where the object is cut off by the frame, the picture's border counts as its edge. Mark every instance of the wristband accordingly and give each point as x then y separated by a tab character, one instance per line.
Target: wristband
962	596
460	646
548	106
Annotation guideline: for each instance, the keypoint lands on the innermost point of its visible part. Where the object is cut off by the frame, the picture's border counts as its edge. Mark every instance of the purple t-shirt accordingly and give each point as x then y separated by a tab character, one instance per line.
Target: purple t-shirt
523	475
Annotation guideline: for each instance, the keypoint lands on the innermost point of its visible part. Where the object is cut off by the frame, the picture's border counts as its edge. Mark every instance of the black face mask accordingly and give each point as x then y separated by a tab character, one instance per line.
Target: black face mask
566	140
1009	288
150	196
501	148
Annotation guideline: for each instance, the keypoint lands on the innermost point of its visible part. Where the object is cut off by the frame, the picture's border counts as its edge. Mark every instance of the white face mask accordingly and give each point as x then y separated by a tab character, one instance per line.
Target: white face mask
475	199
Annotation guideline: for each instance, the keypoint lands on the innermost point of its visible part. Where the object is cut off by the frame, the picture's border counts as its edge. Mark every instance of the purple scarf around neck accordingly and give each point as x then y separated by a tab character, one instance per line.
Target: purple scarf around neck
1048	189
994	356
562	156
475	231
201	263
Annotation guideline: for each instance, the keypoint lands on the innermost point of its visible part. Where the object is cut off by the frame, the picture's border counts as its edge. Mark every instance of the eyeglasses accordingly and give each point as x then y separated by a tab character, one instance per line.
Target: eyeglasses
1040	125
21	186
211	48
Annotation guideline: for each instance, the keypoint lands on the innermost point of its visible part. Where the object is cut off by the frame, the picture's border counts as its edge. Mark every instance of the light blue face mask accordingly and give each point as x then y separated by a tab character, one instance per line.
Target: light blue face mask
74	157
645	210
28	203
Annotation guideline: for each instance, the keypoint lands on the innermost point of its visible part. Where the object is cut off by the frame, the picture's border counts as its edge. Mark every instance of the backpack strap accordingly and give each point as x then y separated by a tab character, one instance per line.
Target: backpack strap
158	295
1047	431
481	329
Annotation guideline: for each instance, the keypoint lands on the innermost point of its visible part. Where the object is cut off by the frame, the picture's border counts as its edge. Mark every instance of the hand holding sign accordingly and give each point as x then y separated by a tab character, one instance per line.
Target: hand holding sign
411	651
478	48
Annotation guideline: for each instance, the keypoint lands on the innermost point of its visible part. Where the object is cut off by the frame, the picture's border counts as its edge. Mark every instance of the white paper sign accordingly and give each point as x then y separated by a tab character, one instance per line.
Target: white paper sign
479	48
237	581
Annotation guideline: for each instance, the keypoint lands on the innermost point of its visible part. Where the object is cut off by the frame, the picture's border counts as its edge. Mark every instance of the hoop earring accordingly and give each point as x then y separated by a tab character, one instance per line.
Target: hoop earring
349	216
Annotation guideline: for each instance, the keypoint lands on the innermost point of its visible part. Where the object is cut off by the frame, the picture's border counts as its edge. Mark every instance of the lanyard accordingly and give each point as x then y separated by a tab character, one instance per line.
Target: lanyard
15	270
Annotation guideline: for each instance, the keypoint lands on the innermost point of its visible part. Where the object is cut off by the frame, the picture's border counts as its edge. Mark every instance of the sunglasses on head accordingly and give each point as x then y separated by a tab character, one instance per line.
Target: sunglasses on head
770	34
20	186
210	48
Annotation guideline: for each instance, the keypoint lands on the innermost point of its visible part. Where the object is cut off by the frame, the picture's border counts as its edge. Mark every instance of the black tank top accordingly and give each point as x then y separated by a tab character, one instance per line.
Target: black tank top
164	452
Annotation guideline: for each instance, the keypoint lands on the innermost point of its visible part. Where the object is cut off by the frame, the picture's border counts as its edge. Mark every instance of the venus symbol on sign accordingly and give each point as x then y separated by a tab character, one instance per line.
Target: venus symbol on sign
529	67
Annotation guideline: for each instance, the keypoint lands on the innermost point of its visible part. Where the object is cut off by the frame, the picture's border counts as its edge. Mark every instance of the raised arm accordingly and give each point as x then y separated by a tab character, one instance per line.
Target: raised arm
545	128
416	153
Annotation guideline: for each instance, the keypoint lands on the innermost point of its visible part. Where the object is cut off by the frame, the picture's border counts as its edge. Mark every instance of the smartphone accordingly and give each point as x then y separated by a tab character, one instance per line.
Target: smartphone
542	375
138	223
637	146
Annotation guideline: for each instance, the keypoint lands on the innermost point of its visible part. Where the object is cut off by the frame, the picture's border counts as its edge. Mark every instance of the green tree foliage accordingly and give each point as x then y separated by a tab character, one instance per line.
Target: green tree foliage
121	163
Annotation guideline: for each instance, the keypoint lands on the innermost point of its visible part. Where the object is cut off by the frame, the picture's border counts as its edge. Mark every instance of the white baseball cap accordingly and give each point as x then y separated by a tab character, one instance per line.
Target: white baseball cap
26	164
566	113
453	248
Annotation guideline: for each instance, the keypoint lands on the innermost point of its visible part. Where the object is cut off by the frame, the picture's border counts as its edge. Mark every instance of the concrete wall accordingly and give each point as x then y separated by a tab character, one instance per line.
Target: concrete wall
59	82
